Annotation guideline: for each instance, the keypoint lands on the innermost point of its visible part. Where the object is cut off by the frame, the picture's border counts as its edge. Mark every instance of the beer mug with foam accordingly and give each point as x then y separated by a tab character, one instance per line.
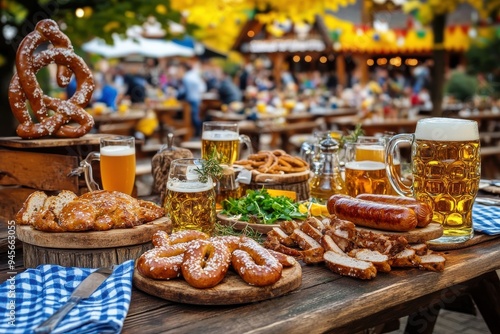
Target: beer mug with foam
446	168
224	138
117	162
365	168
190	199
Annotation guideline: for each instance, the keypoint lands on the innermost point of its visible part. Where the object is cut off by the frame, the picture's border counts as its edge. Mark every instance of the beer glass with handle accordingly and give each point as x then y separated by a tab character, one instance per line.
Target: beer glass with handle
190	197
365	168
224	139
117	162
446	168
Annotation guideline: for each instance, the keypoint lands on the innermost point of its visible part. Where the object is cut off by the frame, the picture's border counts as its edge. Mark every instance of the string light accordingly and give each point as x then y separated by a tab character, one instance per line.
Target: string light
79	12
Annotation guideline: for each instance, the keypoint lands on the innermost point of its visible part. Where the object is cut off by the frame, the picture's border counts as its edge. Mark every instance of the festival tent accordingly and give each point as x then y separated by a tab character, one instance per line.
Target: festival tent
147	47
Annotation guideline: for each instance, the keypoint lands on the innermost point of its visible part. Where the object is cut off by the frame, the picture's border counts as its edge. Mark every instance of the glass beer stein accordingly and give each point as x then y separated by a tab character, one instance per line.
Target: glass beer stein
190	200
446	168
365	168
117	162
224	138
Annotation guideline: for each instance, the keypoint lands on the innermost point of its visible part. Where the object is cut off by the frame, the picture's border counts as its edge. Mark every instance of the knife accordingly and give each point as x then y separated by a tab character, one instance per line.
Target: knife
88	286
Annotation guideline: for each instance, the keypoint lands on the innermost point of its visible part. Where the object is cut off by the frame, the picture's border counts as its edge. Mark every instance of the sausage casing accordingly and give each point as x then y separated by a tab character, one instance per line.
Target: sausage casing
376	215
422	209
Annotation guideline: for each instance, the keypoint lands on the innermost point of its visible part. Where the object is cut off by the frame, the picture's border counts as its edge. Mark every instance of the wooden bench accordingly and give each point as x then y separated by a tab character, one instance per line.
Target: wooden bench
490	162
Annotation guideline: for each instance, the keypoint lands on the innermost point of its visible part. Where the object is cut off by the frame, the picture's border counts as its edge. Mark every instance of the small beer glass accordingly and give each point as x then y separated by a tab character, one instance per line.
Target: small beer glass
117	162
190	199
365	168
224	139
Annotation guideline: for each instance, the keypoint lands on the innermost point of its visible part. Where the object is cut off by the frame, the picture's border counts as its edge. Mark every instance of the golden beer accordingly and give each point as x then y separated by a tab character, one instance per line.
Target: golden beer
446	168
191	209
446	175
225	143
118	168
370	152
366	177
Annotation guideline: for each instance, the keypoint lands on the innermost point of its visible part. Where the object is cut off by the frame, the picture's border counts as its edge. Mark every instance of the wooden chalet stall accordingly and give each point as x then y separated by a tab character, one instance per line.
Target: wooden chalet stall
309	42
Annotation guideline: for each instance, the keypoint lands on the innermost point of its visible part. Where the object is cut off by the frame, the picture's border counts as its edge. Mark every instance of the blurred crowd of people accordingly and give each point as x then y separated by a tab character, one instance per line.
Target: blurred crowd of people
245	89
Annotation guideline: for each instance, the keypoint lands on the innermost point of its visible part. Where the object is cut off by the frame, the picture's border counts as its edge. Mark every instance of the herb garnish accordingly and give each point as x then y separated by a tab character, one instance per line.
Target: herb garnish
261	208
352	137
210	167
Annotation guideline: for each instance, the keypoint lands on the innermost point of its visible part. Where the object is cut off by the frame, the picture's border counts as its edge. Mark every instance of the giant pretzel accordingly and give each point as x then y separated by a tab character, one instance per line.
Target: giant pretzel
24	87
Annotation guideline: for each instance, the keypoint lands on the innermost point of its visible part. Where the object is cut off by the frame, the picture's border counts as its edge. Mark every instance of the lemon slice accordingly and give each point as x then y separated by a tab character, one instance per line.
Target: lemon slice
275	193
317	210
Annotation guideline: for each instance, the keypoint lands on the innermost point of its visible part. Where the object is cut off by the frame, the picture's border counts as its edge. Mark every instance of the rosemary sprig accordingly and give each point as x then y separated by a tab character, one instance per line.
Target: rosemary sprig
210	167
247	231
352	137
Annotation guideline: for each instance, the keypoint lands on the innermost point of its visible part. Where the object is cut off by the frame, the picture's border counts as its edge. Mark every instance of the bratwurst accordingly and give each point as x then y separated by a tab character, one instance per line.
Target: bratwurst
422	210
382	216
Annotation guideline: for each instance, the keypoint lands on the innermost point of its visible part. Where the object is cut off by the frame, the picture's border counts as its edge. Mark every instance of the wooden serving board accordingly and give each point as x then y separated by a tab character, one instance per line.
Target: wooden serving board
259	177
415	236
239	225
232	290
93	239
18	142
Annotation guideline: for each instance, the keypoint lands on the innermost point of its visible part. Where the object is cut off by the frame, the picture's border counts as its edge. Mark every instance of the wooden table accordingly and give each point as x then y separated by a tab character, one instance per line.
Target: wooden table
294	123
176	118
117	123
327	302
372	127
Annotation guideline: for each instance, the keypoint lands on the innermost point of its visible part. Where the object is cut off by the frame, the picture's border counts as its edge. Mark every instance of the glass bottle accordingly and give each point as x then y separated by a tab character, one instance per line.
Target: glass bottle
327	179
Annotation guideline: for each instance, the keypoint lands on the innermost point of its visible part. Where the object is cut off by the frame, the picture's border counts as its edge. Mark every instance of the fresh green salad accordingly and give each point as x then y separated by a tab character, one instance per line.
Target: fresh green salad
258	207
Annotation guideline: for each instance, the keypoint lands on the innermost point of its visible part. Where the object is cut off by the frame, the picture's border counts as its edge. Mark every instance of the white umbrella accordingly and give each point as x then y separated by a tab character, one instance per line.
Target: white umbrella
154	48
158	48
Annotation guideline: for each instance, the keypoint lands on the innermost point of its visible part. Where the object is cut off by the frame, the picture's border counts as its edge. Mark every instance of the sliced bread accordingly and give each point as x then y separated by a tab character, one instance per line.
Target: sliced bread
34	203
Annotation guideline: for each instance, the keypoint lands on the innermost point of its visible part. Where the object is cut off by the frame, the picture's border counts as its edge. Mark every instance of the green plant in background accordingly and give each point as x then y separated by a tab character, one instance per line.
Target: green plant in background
482	58
461	86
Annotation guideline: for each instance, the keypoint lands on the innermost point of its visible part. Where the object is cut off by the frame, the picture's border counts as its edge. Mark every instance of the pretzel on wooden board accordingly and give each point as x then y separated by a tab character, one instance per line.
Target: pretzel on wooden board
51	115
273	162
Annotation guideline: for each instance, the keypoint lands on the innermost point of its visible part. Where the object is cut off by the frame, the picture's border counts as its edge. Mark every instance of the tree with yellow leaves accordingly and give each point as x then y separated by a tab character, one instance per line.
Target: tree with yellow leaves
434	12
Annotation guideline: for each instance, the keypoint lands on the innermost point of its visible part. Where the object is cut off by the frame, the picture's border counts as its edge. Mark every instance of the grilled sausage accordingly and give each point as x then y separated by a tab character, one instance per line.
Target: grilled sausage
330	204
376	215
422	210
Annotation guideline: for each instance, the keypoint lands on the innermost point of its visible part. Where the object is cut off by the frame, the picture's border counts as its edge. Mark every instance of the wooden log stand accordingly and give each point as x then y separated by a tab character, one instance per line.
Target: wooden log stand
88	249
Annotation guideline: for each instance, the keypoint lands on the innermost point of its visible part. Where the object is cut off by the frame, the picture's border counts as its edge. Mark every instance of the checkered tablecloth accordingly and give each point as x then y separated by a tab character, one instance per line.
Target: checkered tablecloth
486	219
34	295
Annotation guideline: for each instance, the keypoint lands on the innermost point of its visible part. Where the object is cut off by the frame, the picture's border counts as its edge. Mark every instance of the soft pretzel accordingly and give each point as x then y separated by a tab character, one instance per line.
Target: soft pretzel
255	264
162	263
205	263
273	162
24	86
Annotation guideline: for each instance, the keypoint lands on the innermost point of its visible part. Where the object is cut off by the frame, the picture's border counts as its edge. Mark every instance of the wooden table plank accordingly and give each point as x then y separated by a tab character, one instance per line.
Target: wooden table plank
324	302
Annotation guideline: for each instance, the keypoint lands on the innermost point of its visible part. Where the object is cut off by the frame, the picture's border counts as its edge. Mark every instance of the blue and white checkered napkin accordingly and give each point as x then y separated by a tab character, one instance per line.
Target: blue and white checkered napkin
40	292
486	219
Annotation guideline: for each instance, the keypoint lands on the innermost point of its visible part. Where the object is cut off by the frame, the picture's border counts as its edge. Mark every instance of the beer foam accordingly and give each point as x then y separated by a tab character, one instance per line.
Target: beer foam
446	129
117	150
188	187
365	165
221	135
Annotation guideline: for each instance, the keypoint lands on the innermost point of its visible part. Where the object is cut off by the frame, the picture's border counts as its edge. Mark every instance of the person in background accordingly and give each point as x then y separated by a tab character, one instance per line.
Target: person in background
136	88
228	91
104	92
191	90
